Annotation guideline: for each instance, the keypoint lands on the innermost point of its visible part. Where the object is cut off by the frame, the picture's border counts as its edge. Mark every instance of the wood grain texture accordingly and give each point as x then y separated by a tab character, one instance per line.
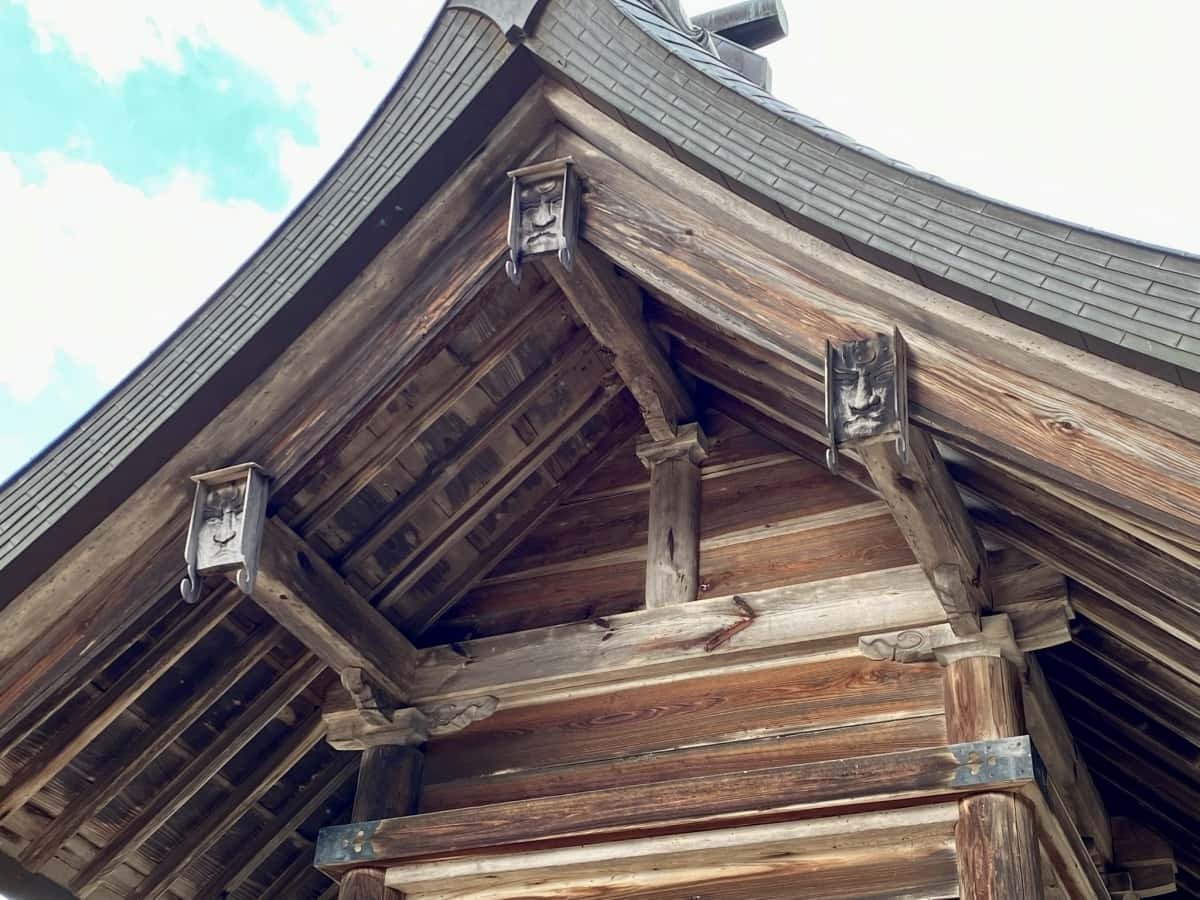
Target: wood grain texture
997	846
932	518
611	310
673	546
700	264
679	804
389	783
983	700
366	884
306	596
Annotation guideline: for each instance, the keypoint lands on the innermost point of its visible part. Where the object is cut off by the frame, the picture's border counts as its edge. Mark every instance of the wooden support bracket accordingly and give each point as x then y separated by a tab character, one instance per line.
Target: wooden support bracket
939	642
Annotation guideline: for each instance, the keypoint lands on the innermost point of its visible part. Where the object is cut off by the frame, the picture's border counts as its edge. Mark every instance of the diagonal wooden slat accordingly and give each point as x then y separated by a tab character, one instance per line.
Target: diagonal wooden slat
436	479
297	811
152	742
90	721
427	552
171	798
416	621
199	838
286	886
337	491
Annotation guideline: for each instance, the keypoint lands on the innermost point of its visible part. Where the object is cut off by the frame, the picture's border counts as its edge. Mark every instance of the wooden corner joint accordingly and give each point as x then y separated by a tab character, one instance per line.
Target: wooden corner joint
359	715
689	442
939	642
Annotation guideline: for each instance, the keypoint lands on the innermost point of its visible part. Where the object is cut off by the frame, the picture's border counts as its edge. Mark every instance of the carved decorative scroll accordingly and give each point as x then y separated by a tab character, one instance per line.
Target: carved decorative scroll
866	394
226	529
543	214
939	642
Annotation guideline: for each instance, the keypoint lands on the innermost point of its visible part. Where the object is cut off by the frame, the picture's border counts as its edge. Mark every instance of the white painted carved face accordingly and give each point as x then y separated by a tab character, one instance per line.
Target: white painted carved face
541	209
863	379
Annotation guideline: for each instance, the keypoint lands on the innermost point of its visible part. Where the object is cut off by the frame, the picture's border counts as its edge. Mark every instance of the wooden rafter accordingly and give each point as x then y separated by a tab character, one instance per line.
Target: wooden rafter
417	621
213	827
92	719
166	802
447	469
298	810
305	595
422	557
336	491
612	312
152	742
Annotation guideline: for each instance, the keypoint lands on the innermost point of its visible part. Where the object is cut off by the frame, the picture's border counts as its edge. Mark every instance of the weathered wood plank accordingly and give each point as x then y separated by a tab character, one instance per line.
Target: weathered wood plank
862	855
611	310
592	816
673	524
448	789
932	518
90	720
153	741
212	828
306	596
776	305
200	771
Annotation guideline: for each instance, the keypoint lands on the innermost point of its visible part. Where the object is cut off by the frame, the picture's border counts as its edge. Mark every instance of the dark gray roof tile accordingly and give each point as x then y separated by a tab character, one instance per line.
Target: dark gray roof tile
1119	247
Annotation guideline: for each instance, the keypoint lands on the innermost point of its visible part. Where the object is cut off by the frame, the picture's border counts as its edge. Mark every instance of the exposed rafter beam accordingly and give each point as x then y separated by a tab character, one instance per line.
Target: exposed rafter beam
197	839
612	312
194	776
295	813
146	748
336	491
447	469
306	596
934	522
93	718
418	620
425	555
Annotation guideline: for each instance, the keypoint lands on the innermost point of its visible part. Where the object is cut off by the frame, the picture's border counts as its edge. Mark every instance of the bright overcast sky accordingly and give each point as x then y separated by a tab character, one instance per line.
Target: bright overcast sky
148	146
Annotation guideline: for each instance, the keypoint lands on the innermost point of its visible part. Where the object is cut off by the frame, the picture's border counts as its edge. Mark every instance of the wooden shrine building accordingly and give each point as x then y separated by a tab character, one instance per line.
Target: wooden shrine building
612	483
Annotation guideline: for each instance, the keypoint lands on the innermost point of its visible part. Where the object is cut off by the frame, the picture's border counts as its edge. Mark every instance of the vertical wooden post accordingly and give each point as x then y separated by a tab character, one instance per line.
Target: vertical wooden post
673	548
389	785
998	857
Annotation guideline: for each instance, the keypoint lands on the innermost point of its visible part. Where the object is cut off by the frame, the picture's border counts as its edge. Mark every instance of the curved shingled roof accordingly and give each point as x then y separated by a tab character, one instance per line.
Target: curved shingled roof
1129	301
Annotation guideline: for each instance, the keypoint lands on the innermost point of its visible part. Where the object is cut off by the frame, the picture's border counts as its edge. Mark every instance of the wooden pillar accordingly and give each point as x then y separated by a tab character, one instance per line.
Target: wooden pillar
996	835
673	547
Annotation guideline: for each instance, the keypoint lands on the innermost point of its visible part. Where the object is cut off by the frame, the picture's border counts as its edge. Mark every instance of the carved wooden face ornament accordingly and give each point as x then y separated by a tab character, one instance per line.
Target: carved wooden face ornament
543	215
226	526
866	393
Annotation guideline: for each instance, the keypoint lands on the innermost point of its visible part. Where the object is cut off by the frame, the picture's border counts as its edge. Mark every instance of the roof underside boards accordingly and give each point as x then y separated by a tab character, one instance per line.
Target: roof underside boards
445	501
1131	302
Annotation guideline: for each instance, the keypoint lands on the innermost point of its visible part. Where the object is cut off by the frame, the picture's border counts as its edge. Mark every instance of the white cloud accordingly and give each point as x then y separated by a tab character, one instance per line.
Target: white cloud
104	271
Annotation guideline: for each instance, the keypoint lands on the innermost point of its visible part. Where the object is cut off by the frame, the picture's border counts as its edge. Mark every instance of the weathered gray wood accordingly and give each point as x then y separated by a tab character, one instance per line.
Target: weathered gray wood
933	520
673	547
90	720
198	839
306	596
147	748
237	734
612	312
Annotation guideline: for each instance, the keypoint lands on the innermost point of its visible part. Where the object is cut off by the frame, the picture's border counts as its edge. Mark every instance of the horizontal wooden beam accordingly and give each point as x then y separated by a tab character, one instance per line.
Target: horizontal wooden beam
678	804
611	310
770	627
841	856
306	596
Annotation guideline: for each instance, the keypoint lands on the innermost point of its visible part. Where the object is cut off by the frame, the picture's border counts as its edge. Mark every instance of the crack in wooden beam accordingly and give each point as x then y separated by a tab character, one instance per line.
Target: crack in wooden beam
194	776
336	491
611	311
422	557
439	476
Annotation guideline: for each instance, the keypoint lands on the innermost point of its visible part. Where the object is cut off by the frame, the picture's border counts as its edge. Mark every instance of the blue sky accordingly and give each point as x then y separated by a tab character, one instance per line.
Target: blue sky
148	146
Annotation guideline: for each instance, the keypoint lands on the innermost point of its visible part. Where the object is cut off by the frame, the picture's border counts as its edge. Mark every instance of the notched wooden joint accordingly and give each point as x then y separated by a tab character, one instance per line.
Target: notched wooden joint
690	442
226	528
940	643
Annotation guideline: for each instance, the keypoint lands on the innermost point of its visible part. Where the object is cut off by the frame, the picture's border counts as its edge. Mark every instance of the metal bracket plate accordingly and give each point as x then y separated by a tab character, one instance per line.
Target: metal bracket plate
989	762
